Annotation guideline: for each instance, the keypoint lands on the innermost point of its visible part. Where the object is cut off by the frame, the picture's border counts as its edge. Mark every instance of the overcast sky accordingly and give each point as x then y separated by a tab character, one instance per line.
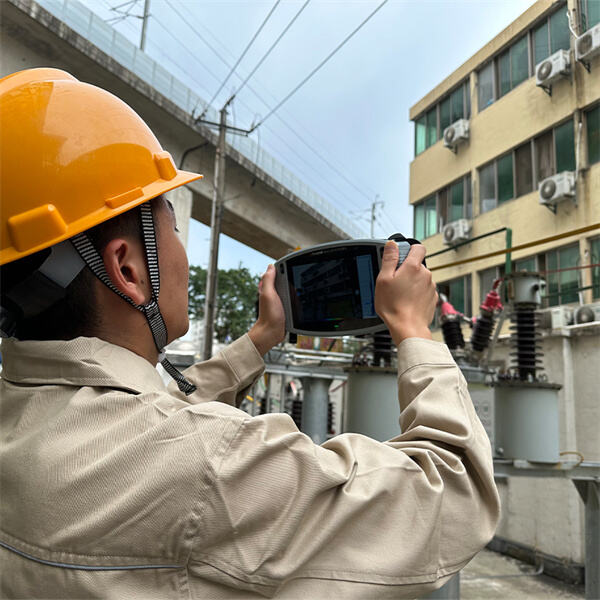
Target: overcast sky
353	112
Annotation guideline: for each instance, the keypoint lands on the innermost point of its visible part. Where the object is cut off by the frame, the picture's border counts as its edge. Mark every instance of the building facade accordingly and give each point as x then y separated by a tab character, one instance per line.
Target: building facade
525	157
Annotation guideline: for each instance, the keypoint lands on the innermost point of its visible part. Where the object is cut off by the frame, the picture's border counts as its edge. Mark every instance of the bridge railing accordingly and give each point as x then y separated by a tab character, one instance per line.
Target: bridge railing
89	25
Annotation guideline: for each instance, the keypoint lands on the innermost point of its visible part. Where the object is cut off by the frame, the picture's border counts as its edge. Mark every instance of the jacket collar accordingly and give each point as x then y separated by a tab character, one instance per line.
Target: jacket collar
79	362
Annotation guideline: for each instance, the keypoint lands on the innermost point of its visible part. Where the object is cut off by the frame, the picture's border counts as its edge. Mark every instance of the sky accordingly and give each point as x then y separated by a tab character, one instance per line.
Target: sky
346	132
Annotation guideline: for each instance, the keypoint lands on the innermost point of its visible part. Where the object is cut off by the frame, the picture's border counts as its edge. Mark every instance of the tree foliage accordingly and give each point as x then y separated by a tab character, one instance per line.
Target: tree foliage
237	293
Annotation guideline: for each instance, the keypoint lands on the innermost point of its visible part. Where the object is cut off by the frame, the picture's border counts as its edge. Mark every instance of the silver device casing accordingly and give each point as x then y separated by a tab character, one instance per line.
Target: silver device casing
282	285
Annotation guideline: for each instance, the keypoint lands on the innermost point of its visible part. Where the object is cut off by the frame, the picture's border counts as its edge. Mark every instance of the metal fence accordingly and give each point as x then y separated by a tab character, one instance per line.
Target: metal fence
88	24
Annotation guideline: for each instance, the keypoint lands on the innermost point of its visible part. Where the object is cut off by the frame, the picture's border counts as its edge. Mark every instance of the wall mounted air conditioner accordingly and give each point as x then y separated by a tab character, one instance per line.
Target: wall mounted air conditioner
556	317
587	313
456	232
588	45
554	67
456	134
557	188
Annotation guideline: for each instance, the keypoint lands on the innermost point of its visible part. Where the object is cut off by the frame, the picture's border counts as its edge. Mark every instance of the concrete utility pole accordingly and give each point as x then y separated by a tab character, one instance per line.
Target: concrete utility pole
215	232
373	207
145	24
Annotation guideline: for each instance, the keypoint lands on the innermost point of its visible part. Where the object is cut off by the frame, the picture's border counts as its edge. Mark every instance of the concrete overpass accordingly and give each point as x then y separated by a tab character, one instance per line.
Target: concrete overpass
266	206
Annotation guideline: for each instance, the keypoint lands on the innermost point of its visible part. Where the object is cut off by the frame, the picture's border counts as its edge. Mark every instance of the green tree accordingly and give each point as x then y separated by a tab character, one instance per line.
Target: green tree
237	293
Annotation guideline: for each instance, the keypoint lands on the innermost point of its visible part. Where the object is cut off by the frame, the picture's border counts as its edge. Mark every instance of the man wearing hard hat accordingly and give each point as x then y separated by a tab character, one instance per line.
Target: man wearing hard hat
114	485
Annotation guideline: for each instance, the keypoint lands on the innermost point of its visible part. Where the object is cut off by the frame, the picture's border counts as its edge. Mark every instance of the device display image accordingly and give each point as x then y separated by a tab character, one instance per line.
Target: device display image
330	289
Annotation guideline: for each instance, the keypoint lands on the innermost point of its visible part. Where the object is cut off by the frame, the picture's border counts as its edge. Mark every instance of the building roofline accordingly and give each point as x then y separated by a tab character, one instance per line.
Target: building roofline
518	26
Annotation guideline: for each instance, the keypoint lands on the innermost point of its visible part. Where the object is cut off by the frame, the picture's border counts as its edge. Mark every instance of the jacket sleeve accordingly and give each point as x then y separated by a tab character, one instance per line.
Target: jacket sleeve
355	518
226	377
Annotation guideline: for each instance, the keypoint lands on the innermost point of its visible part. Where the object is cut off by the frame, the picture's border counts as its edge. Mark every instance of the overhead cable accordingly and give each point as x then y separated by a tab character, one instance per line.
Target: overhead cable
318	67
242	56
262	60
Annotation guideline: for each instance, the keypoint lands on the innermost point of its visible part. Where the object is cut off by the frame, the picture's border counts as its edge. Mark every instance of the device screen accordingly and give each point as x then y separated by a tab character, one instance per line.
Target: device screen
334	290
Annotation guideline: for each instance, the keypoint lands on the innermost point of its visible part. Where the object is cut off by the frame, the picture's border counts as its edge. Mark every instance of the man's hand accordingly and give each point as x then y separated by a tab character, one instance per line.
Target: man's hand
405	298
269	330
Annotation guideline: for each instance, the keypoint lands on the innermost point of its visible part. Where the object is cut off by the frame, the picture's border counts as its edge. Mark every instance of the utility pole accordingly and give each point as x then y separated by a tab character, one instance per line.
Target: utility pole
145	24
374	205
215	232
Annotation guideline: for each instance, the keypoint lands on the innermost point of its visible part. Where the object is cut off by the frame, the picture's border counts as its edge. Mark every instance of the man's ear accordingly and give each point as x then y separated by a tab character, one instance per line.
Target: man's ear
125	264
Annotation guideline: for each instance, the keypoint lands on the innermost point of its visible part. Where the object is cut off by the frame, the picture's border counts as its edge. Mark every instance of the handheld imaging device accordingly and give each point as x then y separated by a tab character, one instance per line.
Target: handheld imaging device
329	290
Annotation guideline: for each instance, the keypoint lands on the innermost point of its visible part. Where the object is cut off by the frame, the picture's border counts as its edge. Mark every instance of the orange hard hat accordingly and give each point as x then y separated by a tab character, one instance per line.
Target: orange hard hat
72	155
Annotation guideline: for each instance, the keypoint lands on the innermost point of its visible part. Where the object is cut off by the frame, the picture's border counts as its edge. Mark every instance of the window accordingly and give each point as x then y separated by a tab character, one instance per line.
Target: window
485	81
592	118
452	202
595	260
541	43
458	292
429	127
487	187
562	286
487	278
504	172
523	170
496	183
590	13
526	264
555	151
425	223
545	156
560	38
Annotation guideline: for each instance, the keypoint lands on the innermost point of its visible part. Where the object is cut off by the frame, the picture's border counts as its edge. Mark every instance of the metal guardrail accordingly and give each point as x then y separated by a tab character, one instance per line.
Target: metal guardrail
117	46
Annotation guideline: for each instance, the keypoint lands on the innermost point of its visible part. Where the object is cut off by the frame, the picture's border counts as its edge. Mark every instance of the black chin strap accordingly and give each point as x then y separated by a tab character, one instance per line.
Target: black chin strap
151	310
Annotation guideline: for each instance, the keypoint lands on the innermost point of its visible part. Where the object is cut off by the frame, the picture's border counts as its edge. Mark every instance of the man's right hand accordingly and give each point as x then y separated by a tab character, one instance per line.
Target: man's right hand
405	298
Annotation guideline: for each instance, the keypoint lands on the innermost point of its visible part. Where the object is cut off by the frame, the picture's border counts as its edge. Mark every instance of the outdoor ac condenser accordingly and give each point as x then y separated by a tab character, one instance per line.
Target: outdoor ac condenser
456	133
587	313
588	45
456	232
557	188
554	67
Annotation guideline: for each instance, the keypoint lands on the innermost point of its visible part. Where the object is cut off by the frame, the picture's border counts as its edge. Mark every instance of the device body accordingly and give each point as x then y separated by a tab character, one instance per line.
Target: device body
329	290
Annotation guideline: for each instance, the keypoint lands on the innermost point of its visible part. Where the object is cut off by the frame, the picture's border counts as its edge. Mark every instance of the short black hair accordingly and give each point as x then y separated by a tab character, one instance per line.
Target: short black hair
76	314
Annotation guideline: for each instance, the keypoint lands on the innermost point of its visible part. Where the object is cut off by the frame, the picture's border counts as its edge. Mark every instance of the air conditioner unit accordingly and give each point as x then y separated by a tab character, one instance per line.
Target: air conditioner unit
557	188
456	133
556	317
587	313
588	45
554	67
456	232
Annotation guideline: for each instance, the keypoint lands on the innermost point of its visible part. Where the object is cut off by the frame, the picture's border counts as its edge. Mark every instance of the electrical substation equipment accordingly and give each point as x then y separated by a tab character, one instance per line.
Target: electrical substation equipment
554	190
456	134
484	324
526	404
456	232
587	46
450	322
588	313
556	317
555	67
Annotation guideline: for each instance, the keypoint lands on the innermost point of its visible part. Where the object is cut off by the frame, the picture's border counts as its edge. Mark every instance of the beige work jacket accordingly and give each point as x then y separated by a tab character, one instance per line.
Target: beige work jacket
114	486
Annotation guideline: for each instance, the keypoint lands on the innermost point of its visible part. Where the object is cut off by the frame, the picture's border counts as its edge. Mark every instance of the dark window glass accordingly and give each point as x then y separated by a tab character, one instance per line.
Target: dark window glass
430	216
565	147
487	188
541	47
445	120
468	198
526	264
503	84
467	99
524	172
442	207
485	84
420	130
505	178
419	221
590	13
457	104
519	62
544	156
562	286
593	134
457	199
595	260
431	127
457	294
559	31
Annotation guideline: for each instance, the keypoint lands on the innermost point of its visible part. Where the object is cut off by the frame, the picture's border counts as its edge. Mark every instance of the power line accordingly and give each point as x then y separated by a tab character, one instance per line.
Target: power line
243	53
321	64
262	60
